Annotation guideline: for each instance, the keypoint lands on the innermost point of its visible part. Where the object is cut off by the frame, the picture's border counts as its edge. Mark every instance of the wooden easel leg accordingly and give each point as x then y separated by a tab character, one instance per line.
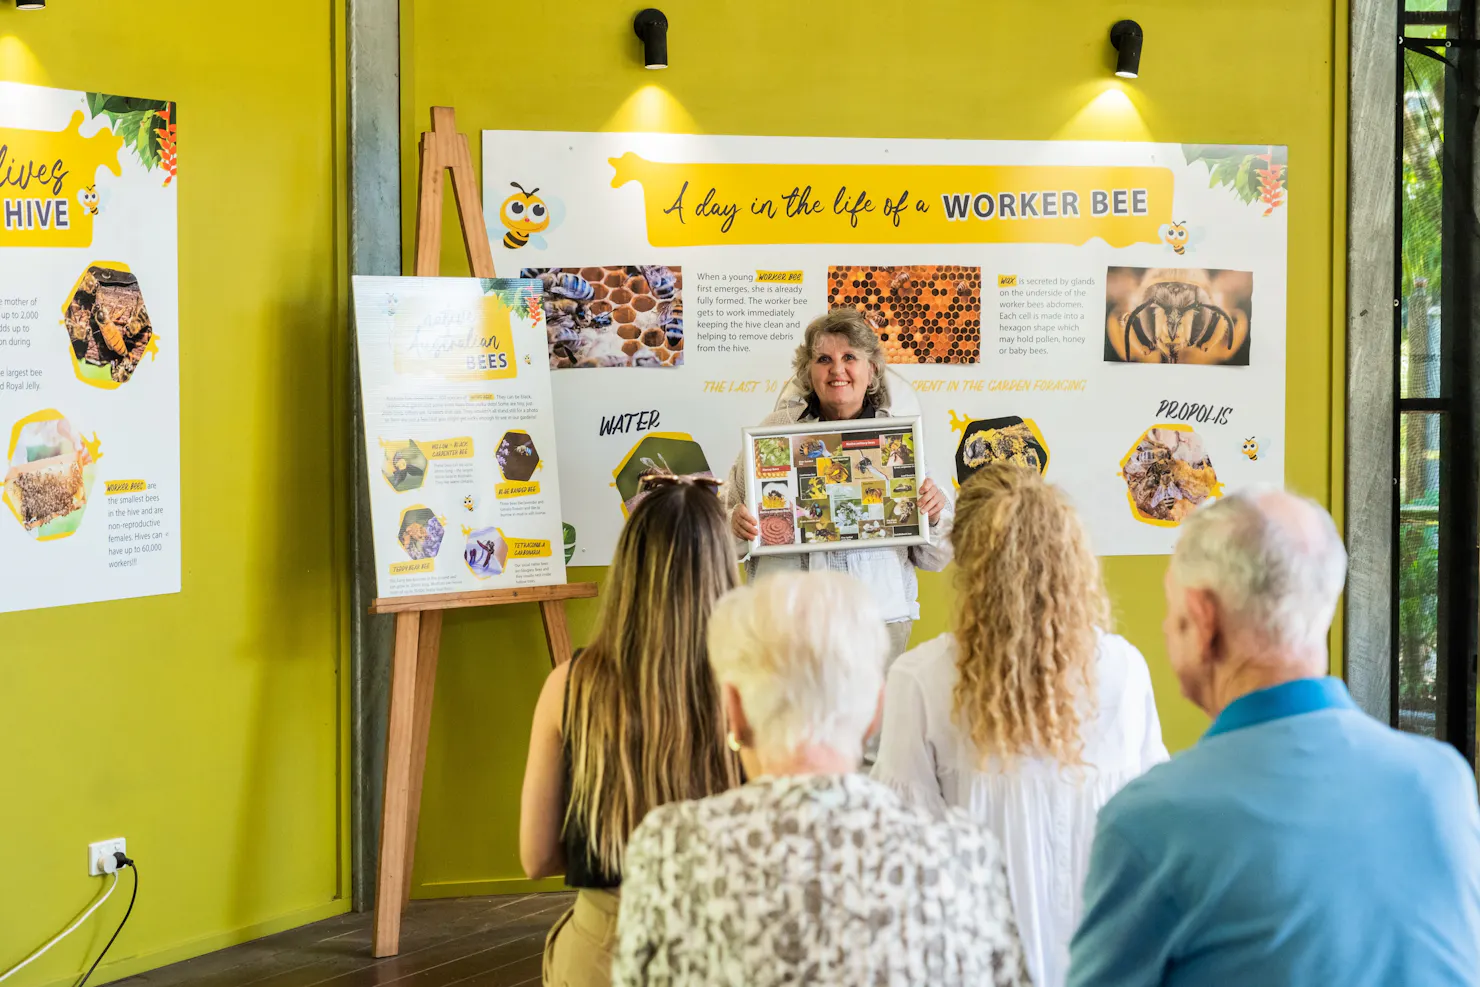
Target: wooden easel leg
426	687
392	877
469	212
429	210
557	631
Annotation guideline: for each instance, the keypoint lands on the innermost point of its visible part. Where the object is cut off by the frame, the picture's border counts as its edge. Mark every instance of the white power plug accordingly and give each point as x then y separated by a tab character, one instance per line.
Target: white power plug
100	859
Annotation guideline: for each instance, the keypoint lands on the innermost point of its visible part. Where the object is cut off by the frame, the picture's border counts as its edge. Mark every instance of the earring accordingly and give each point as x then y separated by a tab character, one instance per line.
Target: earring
731	742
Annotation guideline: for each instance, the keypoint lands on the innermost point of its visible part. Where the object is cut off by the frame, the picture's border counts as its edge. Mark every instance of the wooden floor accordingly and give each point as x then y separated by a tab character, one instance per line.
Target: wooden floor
472	942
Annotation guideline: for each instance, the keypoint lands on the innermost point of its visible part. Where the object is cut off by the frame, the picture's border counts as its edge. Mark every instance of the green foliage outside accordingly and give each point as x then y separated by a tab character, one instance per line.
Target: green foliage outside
1422	202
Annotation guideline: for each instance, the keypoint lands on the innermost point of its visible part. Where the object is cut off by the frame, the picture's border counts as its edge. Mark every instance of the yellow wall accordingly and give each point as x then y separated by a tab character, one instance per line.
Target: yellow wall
206	726
1259	71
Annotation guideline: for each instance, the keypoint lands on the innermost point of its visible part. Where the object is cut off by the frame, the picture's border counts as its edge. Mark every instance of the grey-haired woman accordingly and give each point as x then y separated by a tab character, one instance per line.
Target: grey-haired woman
811	873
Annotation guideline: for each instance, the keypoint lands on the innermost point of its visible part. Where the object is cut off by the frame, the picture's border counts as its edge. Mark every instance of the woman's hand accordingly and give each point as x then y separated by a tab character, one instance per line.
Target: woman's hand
932	501
742	524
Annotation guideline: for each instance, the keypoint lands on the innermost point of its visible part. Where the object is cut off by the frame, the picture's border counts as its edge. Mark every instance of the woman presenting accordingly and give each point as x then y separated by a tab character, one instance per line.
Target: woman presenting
839	375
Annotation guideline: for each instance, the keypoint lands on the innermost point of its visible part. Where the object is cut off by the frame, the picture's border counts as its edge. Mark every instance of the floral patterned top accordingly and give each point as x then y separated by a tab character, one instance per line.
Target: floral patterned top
814	879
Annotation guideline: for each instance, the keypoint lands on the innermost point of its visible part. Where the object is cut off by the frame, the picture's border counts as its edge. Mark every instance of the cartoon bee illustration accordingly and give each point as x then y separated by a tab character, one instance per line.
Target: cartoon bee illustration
1251	449
90	199
469	503
1175	235
524	215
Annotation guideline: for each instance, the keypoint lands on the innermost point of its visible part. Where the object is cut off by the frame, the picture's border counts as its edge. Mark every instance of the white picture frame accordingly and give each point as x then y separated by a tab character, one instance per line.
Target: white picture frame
846	484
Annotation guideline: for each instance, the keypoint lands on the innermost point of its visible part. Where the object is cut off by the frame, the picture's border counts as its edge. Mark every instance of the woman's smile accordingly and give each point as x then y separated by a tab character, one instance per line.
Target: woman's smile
840	376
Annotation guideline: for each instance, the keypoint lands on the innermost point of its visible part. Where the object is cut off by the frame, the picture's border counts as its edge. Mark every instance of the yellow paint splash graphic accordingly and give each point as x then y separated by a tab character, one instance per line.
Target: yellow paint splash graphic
43	177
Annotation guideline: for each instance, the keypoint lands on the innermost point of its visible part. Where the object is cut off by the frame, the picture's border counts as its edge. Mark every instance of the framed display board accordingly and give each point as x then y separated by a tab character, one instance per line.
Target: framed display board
820	486
1109	312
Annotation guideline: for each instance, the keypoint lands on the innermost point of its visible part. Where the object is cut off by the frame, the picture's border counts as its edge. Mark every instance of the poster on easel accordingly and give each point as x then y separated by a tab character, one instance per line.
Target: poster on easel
459	435
89	348
1112	314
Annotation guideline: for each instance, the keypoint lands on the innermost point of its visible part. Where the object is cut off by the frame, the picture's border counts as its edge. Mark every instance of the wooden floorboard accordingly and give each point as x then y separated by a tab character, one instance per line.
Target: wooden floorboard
470	942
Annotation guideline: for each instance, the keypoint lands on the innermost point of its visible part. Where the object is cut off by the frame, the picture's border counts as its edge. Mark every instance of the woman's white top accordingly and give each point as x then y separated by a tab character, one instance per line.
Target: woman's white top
1042	813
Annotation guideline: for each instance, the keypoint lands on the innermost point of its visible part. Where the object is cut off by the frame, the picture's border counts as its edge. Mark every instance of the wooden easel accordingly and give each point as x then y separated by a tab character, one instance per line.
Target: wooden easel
419	618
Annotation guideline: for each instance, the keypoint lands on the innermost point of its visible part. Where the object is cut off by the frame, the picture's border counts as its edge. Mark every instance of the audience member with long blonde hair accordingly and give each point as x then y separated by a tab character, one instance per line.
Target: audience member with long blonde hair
633	722
1031	715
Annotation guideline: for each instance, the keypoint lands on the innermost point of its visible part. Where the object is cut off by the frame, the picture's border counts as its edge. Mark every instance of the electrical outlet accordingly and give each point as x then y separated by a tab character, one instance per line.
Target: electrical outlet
97	851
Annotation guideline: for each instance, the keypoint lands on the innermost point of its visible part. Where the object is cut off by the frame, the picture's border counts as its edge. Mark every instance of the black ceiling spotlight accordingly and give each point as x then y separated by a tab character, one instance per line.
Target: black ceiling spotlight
30	4
1126	37
652	27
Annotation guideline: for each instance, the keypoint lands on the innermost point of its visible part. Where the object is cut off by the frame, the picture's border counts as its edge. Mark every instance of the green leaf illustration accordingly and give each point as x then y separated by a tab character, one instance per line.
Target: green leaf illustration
135	120
1242	179
1237	167
523	297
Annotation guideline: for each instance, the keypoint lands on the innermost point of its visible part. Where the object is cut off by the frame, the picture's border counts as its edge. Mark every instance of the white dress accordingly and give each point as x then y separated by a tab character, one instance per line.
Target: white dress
1041	813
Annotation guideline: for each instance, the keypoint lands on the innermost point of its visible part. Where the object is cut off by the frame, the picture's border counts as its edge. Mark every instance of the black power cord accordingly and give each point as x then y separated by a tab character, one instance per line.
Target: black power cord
122	862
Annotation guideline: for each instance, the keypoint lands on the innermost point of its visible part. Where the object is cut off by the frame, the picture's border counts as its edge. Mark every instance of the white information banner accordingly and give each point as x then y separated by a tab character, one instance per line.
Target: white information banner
1111	313
459	435
89	348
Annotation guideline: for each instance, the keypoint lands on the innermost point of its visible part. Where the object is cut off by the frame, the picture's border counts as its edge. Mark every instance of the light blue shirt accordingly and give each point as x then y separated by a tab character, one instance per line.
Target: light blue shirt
1300	843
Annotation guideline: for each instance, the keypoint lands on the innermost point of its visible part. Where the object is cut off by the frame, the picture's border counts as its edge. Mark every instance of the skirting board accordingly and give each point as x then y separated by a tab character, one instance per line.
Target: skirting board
472	889
132	965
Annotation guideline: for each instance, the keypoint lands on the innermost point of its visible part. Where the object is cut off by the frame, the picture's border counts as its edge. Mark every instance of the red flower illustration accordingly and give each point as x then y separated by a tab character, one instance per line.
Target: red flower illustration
1271	187
166	136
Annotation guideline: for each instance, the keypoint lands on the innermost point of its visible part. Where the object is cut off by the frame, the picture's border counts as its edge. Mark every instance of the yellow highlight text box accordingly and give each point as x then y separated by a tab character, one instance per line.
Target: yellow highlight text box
1007	280
514	488
778	277
528	548
114	487
406	568
458	448
691	204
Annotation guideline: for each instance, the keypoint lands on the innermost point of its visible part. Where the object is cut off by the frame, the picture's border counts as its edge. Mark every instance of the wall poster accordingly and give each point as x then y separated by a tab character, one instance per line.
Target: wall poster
816	486
1110	313
89	348
459	434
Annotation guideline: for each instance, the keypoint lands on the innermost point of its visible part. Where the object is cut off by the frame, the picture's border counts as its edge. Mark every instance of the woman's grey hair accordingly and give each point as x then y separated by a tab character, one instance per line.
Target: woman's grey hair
1273	560
806	652
850	324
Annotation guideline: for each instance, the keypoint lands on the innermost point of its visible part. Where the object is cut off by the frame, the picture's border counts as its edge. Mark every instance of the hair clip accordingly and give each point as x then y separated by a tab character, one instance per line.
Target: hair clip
652	480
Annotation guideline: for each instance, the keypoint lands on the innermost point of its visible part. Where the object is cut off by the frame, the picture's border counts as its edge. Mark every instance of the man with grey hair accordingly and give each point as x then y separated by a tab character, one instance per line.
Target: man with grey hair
1299	842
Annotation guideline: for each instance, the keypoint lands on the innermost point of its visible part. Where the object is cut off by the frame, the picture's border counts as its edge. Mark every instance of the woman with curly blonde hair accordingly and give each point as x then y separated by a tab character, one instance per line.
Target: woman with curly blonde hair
1031	714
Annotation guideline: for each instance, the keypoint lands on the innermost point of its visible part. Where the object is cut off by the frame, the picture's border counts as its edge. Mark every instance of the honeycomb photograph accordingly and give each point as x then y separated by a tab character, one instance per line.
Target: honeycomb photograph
923	314
1178	315
108	324
49	474
628	316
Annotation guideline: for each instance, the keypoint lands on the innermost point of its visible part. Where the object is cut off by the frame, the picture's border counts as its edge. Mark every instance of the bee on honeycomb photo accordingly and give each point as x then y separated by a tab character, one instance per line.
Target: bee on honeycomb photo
629	316
923	314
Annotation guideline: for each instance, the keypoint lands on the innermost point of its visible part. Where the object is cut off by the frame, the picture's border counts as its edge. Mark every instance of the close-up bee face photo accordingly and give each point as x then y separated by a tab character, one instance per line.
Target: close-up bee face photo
1178	315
